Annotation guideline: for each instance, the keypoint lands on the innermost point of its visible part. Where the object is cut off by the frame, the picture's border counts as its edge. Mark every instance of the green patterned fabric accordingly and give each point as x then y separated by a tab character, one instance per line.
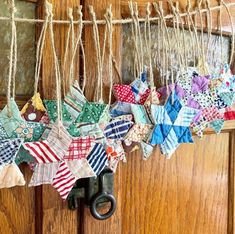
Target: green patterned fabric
217	125
73	130
29	131
23	156
91	113
16	127
12	122
51	106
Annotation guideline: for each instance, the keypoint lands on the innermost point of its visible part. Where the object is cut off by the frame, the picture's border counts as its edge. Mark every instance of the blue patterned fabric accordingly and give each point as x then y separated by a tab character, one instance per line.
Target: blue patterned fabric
172	123
117	129
97	158
8	150
120	108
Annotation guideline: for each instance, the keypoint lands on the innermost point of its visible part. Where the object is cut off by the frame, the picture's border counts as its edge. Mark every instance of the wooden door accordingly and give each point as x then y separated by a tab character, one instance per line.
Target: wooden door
193	192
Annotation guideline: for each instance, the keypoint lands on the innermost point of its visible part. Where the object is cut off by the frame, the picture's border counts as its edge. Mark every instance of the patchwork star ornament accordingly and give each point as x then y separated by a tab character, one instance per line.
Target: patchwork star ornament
172	123
10	174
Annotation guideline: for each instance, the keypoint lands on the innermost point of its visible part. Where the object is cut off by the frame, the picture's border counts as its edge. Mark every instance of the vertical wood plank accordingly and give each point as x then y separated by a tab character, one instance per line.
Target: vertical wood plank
56	217
112	225
17	209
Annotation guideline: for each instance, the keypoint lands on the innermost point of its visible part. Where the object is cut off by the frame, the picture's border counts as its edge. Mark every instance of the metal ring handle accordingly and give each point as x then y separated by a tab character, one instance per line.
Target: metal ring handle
94	204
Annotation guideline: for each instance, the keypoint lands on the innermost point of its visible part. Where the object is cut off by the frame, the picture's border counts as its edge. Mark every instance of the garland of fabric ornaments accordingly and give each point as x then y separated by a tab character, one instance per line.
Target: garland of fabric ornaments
65	140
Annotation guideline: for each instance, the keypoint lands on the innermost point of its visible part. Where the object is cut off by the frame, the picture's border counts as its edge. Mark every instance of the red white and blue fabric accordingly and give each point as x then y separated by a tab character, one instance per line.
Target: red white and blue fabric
64	180
97	158
117	129
172	123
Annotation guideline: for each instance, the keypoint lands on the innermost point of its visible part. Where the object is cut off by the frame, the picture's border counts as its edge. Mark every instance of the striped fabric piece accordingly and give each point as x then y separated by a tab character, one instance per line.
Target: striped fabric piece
44	174
64	180
74	100
59	140
42	152
8	150
97	158
117	129
79	148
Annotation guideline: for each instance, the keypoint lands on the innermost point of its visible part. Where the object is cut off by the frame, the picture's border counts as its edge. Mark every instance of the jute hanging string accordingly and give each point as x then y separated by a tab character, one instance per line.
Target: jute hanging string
56	65
12	59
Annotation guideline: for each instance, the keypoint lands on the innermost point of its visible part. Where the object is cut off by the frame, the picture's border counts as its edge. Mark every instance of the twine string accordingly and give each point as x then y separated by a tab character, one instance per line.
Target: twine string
12	60
56	67
39	52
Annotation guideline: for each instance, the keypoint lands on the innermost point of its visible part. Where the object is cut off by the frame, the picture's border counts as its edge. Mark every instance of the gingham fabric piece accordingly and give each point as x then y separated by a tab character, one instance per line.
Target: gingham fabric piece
217	125
8	150
97	158
79	148
172	123
3	133
74	100
44	174
12	122
228	98
91	113
59	140
80	168
64	180
42	152
210	114
34	109
117	129
11	176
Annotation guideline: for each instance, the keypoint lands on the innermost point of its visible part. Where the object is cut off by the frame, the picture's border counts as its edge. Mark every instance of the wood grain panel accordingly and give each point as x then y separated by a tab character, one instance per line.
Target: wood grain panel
187	194
56	217
17	209
113	225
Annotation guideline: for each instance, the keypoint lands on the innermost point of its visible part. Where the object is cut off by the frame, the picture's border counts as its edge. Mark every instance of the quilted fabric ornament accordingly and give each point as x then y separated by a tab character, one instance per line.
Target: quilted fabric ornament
34	109
172	123
147	150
